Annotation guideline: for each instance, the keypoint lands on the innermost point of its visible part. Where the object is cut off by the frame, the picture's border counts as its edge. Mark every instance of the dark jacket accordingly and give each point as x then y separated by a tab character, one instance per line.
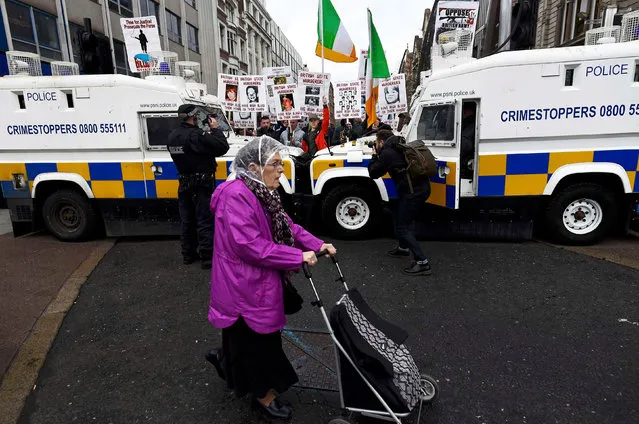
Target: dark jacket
390	160
193	151
274	132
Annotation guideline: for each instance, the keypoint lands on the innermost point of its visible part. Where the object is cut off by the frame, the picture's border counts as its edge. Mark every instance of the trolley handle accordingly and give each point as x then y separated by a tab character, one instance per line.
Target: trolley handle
307	271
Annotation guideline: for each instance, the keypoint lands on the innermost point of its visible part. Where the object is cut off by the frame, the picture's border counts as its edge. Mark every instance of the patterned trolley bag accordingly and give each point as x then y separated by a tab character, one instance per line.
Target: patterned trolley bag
376	346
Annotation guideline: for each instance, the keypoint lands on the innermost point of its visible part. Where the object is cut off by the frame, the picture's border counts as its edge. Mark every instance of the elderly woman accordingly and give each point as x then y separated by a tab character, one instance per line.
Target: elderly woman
256	247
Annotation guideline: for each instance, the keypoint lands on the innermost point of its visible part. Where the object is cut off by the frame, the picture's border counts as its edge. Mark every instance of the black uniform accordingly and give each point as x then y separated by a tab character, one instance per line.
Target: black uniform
193	151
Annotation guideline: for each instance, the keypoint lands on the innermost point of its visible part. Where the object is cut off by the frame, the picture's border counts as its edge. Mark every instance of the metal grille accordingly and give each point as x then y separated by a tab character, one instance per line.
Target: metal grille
630	26
189	71
64	68
21	213
24	63
609	34
312	354
161	63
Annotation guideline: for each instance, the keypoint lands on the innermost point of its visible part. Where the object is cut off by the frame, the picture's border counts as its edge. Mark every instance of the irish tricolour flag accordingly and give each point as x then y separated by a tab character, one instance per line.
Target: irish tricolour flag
332	36
376	70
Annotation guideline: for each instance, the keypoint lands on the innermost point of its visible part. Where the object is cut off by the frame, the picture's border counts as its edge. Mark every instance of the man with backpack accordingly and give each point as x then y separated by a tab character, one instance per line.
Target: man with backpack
409	165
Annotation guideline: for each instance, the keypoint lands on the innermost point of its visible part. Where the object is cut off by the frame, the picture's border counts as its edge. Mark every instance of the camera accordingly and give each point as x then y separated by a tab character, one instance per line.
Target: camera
370	144
205	121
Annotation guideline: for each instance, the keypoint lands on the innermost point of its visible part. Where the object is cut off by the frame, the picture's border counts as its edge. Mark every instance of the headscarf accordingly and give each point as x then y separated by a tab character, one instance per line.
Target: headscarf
260	151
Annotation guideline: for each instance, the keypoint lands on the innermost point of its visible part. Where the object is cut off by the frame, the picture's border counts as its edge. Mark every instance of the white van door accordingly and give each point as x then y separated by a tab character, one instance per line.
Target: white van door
438	127
159	170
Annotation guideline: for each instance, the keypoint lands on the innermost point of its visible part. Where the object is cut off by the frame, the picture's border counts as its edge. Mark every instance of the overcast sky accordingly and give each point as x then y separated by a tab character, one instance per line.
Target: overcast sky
397	23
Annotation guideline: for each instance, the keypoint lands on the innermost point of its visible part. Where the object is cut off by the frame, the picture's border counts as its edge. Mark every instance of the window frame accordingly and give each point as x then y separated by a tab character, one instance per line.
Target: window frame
34	32
188	38
192	3
454	115
156	14
116	6
169	32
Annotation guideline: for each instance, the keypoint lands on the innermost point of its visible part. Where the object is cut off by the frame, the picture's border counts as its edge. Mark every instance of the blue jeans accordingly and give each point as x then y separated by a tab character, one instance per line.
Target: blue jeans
407	210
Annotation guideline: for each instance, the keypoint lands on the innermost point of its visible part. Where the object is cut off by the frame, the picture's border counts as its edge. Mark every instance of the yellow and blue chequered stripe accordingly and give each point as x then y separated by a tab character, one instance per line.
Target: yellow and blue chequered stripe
526	174
112	180
443	190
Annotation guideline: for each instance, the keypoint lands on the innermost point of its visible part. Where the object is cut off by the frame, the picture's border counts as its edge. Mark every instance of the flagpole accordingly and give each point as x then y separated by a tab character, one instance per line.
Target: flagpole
321	13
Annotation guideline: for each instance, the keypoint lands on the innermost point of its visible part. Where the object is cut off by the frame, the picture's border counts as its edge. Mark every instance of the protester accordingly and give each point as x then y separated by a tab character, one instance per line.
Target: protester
269	130
297	134
257	246
388	159
316	137
194	151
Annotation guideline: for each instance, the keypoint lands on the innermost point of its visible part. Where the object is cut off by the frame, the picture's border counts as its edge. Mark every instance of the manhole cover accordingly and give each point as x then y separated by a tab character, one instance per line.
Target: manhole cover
312	354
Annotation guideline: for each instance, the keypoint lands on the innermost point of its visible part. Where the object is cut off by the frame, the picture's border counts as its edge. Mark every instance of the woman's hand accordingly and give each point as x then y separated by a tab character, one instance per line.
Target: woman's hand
331	249
309	258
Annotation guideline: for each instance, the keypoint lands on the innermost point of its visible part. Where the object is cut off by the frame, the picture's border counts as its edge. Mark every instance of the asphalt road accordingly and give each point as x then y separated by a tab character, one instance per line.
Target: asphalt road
514	333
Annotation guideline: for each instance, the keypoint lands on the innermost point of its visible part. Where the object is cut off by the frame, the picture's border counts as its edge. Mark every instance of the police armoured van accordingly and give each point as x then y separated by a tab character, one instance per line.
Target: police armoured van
83	153
547	136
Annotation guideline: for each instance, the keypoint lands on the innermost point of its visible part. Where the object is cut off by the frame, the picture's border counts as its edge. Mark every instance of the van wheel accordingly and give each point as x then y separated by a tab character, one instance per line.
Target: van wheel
69	215
581	214
351	211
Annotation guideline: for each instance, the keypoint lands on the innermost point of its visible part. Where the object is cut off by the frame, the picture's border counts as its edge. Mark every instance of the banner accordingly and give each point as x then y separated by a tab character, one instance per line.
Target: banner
347	97
252	90
227	91
288	101
245	119
392	95
452	15
140	36
311	89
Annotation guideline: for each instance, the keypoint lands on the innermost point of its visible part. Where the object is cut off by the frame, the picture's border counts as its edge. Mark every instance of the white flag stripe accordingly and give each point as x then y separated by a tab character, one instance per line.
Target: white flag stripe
342	43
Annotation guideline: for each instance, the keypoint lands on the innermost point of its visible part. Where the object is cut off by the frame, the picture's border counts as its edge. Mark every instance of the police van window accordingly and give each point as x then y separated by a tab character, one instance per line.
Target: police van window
637	72
158	129
437	123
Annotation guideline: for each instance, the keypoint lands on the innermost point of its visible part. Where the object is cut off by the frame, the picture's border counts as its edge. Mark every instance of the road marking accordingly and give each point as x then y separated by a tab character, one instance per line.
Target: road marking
628	322
21	377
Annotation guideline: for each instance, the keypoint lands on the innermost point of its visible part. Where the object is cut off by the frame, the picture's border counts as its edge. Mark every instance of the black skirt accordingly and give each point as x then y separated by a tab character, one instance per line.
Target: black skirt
255	363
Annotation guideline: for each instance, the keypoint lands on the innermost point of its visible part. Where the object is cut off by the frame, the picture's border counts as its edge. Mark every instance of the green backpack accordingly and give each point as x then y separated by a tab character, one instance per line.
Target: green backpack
419	159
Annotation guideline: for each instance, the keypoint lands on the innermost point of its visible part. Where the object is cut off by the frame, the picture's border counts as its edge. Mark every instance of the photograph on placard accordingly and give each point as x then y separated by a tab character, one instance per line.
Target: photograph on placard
227	91
245	119
287	102
287	110
252	93
392	95
346	96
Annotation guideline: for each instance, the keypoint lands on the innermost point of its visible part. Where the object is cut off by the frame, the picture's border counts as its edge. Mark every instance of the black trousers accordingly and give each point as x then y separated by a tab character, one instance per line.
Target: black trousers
408	206
196	220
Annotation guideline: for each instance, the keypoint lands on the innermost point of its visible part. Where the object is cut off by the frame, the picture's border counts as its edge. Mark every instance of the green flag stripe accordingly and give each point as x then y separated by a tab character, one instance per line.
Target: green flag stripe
376	53
331	24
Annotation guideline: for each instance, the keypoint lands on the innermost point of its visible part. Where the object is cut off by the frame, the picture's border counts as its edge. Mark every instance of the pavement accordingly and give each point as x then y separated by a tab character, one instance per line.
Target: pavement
514	333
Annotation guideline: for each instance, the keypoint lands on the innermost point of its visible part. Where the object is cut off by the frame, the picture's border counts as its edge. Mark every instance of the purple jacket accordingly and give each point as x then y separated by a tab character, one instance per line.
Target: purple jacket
246	278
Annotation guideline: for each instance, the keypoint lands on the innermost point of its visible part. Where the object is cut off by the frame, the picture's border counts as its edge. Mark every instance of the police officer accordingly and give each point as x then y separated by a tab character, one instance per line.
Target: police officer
194	151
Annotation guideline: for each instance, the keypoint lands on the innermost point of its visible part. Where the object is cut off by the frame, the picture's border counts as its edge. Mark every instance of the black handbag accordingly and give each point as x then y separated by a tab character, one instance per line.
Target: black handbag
292	299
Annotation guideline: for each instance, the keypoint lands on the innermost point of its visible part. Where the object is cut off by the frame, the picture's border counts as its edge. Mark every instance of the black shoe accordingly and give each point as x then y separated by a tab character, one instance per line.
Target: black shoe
214	356
277	410
418	268
399	252
188	260
207	264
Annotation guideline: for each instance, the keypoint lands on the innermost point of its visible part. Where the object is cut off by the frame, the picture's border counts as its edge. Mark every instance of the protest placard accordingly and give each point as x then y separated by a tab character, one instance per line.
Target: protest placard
392	95
141	36
288	102
311	89
276	76
347	97
252	90
457	15
227	87
245	119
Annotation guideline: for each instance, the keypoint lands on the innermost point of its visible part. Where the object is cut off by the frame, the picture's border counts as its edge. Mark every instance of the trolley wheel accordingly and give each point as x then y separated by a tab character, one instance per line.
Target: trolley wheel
339	421
429	388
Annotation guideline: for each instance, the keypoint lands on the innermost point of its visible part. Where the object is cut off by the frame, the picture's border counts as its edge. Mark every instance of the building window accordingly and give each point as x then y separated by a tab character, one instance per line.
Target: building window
173	27
577	17
194	44
122	7
223	37
121	62
34	31
190	3
232	46
151	8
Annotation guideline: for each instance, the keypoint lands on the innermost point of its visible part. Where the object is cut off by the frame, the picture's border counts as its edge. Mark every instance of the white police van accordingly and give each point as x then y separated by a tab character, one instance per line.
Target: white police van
551	136
82	153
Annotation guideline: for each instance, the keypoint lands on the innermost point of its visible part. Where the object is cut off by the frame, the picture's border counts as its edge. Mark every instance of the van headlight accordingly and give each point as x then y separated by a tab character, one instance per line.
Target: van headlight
20	182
